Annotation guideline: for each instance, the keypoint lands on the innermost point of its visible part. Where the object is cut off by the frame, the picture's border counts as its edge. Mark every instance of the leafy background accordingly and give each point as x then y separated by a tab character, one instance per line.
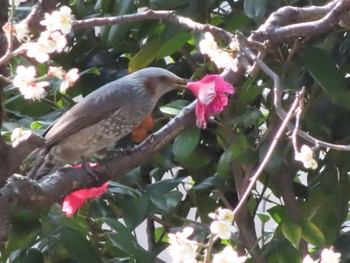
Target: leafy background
303	206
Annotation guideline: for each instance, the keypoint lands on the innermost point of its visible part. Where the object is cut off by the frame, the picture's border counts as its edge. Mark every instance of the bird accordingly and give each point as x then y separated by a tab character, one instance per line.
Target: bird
103	117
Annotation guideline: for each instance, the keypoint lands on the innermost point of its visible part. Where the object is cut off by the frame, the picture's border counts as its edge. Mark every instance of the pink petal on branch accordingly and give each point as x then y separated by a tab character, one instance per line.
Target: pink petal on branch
76	199
211	92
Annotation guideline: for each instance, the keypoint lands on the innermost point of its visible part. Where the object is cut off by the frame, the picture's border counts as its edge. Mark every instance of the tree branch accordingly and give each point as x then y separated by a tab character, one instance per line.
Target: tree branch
269	153
151	15
333	14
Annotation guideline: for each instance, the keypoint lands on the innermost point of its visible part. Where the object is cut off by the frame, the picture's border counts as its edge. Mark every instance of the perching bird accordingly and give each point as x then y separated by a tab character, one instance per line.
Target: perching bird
103	117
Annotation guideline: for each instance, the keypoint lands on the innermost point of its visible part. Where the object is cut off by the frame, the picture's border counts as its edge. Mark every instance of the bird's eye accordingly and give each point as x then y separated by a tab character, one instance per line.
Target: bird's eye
163	78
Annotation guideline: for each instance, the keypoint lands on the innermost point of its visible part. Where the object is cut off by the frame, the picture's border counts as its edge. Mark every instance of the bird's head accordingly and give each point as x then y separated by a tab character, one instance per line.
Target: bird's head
158	81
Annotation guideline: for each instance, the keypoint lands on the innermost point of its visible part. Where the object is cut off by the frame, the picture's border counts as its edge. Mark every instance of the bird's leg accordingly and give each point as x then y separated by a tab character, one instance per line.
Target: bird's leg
87	167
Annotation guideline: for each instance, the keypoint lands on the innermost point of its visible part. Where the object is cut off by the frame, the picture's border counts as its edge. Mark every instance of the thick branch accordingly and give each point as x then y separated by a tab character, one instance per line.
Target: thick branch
307	29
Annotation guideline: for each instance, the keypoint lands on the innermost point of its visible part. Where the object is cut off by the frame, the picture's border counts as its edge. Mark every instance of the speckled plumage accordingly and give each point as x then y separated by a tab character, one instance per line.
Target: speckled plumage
105	116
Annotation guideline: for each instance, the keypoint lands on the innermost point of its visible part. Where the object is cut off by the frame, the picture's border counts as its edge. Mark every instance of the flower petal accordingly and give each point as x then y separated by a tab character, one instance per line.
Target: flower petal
211	92
76	199
202	117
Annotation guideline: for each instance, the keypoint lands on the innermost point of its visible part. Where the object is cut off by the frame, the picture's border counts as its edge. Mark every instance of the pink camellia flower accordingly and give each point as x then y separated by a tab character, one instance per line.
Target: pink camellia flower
76	199
211	92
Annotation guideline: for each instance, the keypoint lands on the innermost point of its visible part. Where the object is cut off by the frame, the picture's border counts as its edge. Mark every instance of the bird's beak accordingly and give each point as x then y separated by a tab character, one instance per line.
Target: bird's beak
181	83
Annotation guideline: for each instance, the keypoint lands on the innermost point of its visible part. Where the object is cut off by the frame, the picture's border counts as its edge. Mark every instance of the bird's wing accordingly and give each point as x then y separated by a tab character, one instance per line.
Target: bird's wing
94	107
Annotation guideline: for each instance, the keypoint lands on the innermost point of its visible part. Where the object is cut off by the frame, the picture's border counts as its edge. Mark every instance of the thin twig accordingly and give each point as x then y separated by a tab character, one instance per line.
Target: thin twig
280	111
269	153
210	246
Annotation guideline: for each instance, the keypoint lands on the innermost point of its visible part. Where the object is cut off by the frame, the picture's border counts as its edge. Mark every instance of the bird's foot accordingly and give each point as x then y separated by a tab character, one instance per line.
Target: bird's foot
88	167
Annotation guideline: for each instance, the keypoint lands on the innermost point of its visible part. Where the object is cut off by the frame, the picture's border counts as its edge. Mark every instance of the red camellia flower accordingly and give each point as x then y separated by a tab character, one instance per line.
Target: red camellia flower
76	199
211	92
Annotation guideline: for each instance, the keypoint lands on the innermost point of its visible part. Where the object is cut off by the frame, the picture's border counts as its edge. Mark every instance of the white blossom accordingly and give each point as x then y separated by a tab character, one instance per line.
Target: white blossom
225	215
208	44
221	58
222	228
222	214
59	20
25	82
18	135
34	90
41	49
181	249
21	31
329	256
59	40
57	72
228	255
308	259
69	79
24	75
306	156
17	2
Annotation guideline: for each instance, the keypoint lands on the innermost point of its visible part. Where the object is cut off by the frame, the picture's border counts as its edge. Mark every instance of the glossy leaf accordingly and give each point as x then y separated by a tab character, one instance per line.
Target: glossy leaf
224	164
292	231
162	187
312	234
173	108
111	35
185	143
173	45
135	210
324	70
166	202
145	56
78	247
126	242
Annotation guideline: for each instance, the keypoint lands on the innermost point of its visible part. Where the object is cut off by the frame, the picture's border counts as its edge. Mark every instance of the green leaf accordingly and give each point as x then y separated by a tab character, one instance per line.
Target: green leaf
92	70
146	55
29	256
224	164
173	108
286	253
292	231
112	35
264	217
312	234
167	202
135	209
162	187
215	181
173	45
168	5
255	9
102	4
235	21
36	125
323	69
78	247
185	143
278	213
25	229
248	118
117	188
126	242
